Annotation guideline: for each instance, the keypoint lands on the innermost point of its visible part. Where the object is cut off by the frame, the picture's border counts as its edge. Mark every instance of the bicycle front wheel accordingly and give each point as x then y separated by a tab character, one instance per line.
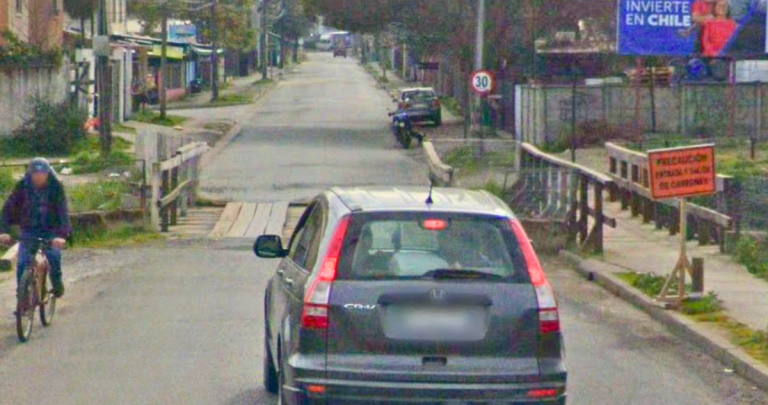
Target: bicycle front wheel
25	307
47	303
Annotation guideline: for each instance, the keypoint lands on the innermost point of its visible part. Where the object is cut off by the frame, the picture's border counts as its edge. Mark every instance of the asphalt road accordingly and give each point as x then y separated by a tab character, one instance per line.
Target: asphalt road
324	125
182	322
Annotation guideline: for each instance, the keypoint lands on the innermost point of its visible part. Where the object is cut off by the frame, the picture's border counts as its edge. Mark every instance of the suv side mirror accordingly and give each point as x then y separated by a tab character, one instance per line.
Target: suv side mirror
269	247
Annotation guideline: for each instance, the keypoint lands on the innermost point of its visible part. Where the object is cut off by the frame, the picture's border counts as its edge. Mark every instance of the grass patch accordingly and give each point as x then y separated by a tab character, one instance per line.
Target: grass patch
232	99
152	117
120	236
218	126
123	129
650	284
102	195
752	254
706	305
452	105
494	188
469	160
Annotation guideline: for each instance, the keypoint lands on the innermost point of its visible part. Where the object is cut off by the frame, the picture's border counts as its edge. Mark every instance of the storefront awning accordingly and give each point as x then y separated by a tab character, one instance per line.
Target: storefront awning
204	50
173	52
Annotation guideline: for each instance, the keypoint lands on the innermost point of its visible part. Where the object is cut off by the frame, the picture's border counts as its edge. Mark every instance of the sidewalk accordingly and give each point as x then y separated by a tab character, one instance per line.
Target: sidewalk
641	248
236	86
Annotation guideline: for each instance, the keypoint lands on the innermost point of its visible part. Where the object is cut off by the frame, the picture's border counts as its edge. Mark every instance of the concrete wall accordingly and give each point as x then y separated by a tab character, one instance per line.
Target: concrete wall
17	86
544	113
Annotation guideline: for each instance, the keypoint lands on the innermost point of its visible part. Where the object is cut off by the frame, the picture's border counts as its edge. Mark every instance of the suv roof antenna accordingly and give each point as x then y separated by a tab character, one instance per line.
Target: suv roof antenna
429	197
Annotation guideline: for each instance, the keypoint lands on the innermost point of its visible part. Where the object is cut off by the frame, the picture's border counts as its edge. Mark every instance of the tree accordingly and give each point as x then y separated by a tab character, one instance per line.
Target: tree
80	10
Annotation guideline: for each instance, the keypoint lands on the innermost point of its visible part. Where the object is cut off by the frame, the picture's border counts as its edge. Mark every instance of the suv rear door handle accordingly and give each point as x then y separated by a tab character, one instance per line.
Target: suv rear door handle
289	281
280	272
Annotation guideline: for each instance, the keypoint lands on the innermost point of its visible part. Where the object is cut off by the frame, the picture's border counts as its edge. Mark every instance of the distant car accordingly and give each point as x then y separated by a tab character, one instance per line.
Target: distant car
388	296
340	52
421	104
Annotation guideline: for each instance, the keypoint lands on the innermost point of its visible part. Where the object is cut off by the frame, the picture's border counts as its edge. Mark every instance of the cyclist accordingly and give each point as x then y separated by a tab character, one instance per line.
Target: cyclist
38	205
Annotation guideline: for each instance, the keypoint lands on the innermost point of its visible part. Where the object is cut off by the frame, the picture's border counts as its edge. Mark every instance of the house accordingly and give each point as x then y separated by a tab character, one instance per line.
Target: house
38	22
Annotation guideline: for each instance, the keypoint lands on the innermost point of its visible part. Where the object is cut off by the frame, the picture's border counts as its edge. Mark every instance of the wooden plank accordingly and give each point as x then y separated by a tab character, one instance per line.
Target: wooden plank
8	261
228	217
173	195
240	227
592	174
260	220
277	218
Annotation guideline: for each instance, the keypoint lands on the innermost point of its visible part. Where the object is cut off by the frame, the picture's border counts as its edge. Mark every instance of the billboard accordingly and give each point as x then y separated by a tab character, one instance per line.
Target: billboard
710	28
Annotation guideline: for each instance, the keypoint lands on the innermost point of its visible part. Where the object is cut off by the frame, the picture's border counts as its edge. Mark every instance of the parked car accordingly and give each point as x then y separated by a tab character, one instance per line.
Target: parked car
407	295
421	104
340	52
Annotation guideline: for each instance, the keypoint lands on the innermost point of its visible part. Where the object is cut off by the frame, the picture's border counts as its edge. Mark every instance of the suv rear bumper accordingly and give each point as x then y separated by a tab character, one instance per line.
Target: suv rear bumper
382	393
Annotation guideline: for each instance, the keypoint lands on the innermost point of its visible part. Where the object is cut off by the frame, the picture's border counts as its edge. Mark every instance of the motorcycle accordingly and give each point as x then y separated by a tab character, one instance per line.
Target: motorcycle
402	128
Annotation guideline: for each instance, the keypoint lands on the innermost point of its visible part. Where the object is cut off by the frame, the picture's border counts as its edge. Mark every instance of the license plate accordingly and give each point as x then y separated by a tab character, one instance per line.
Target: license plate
426	319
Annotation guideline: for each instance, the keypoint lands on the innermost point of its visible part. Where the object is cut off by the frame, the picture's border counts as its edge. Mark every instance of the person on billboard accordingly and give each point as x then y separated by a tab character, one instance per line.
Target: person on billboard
701	12
718	30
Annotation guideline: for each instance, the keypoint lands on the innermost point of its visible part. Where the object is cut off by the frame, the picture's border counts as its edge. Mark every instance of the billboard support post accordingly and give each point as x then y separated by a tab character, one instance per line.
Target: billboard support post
639	71
731	98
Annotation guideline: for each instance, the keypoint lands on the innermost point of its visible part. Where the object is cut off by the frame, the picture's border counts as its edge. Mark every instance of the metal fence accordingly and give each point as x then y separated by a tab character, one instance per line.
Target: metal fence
546	114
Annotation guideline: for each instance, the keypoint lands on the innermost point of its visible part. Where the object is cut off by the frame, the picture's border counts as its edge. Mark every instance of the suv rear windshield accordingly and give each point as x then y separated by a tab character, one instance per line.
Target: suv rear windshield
394	246
419	95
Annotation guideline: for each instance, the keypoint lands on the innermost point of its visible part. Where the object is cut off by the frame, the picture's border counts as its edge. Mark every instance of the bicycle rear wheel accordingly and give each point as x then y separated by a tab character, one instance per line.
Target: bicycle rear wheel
25	307
47	302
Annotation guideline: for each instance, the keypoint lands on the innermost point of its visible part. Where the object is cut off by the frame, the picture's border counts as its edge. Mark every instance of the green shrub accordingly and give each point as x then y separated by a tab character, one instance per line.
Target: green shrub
52	129
7	182
751	254
494	188
92	162
706	305
649	283
103	195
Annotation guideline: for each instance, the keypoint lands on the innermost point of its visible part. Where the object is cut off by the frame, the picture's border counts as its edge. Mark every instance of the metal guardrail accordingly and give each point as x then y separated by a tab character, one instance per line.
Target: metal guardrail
562	186
174	182
631	186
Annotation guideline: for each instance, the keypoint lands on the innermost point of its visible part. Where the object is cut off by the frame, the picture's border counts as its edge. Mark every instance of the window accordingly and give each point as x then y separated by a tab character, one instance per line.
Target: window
306	244
19	6
412	245
56	9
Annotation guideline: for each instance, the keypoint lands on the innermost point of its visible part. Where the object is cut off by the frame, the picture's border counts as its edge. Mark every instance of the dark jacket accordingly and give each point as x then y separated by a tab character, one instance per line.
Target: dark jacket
17	209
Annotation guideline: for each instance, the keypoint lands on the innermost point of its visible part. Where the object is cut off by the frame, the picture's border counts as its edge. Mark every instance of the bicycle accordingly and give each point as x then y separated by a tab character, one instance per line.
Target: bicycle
34	291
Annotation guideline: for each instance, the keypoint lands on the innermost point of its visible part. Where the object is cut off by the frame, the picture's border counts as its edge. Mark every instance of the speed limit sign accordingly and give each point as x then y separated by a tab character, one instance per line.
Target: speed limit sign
482	82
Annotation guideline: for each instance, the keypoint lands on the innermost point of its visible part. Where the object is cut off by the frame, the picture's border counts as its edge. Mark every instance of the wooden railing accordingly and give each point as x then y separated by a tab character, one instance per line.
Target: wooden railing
557	185
440	174
629	172
174	184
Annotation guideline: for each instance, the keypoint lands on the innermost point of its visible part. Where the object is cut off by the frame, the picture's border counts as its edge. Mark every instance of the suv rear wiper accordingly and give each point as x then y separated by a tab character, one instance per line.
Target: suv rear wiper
462	274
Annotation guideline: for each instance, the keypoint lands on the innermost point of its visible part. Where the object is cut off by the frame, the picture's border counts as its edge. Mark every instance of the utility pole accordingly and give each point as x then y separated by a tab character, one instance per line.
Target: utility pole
105	86
479	56
264	39
164	62
215	54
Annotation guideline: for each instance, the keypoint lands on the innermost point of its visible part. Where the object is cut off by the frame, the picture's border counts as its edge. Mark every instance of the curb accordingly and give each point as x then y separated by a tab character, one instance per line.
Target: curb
221	144
689	330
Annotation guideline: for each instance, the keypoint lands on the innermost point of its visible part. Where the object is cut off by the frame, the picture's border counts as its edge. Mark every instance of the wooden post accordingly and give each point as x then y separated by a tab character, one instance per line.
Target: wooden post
697	275
647	205
184	198
599	218
195	167
583	208
683	264
174	206
164	220
659	215
156	196
573	191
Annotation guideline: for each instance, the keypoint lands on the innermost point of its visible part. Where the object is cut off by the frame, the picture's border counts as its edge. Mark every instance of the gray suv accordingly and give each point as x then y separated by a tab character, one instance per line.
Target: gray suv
402	295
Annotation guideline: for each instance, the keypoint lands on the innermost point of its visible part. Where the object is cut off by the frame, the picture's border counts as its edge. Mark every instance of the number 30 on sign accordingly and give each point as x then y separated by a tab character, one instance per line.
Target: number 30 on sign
483	82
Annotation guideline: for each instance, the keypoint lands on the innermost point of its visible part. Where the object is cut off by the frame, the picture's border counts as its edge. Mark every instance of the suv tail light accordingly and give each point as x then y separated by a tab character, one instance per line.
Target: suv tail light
549	317
318	296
